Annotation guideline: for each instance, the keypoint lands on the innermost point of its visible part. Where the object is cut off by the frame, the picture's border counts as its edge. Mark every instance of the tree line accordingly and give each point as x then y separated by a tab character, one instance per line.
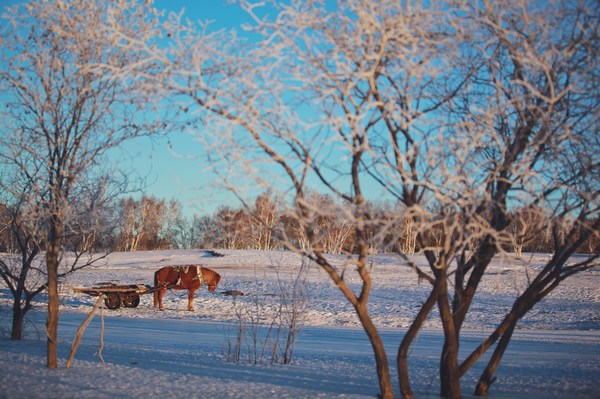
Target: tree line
150	223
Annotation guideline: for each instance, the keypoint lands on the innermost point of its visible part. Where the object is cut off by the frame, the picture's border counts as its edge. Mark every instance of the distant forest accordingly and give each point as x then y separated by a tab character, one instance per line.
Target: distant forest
150	223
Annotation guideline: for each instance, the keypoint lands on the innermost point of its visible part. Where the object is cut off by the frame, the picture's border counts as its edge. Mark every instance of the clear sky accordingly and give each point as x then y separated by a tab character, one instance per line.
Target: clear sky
176	168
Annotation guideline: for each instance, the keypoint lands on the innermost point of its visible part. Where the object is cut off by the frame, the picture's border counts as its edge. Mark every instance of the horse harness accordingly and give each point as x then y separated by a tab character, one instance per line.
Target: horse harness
184	270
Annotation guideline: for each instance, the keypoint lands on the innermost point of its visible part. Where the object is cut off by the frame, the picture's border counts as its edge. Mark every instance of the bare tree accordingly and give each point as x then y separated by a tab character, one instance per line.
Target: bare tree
460	112
64	109
266	217
525	225
304	107
269	329
541	97
231	228
146	223
20	268
524	136
133	215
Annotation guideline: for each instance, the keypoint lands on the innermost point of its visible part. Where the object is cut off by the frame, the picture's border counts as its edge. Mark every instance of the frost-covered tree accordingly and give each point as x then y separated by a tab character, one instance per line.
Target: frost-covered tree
18	267
303	107
461	112
146	223
63	108
21	266
530	125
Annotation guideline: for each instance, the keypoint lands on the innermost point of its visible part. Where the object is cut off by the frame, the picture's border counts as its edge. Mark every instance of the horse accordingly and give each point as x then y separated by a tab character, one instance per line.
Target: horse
185	277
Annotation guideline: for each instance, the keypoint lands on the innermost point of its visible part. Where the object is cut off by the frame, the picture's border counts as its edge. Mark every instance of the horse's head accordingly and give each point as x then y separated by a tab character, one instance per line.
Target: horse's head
213	280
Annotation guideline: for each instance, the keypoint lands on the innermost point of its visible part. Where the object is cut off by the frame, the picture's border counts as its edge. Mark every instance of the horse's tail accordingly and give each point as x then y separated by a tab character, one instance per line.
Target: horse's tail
155	290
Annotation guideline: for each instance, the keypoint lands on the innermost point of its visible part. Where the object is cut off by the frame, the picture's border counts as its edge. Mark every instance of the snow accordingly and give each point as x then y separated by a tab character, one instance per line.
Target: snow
555	352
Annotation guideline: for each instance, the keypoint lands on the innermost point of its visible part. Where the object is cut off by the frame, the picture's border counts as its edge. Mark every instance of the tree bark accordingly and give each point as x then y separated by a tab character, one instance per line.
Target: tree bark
487	377
360	306
449	370
381	361
17	321
402	359
53	302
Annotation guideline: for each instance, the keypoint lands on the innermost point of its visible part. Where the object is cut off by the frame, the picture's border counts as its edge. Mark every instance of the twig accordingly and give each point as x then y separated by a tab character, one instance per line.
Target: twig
81	329
99	351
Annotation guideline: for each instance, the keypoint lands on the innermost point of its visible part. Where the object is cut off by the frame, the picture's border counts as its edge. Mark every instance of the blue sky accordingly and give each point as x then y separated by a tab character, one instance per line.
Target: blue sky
175	167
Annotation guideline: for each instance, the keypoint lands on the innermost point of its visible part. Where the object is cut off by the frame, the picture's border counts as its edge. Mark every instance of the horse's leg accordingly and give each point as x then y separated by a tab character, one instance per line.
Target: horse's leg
161	293
191	299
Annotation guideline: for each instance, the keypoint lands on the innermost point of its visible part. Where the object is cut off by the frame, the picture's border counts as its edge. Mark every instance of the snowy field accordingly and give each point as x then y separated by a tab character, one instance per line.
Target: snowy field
555	352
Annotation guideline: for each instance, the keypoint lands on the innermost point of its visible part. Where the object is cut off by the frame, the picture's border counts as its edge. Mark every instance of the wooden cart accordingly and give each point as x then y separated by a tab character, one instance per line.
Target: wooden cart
117	295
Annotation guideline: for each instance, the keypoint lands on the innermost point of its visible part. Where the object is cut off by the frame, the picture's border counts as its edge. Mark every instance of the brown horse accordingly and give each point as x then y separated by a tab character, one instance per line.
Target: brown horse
187	277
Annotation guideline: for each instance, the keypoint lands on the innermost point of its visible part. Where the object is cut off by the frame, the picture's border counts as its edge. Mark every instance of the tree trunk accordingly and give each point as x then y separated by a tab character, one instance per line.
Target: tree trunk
487	377
53	302
360	306
17	321
402	360
381	361
449	370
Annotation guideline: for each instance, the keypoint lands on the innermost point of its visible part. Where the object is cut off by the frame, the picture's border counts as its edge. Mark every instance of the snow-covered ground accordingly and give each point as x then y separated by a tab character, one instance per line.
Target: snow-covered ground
554	353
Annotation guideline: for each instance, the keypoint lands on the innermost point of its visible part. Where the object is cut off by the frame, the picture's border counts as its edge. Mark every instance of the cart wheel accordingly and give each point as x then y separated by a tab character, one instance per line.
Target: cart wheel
131	301
112	300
